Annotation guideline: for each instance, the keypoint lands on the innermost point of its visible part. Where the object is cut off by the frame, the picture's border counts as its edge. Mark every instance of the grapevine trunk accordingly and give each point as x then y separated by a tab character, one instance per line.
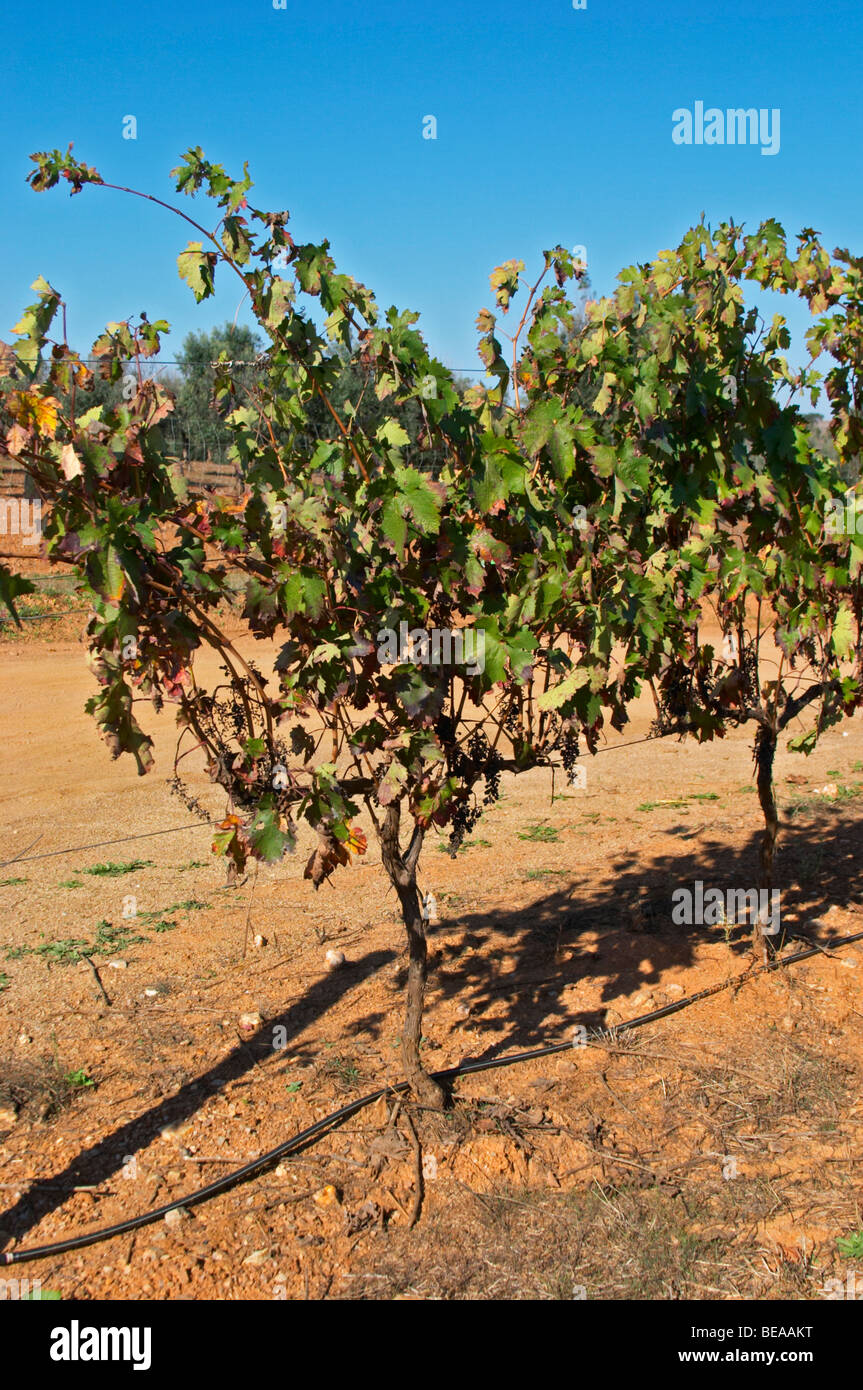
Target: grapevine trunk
765	752
401	869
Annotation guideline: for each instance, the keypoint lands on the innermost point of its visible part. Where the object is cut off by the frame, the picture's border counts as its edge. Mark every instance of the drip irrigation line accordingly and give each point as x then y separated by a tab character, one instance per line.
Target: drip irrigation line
35	617
337	1117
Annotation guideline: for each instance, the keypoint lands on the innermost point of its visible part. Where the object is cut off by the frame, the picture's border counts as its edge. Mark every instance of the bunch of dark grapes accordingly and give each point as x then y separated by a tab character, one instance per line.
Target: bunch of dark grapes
493	767
477	749
749	666
464	817
567	746
477	760
676	698
445	729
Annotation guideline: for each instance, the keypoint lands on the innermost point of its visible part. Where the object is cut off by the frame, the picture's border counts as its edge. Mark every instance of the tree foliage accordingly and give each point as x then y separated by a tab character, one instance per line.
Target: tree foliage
631	465
201	428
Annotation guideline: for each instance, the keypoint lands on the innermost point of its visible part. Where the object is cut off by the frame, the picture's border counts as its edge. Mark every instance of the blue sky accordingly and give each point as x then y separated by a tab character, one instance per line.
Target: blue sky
553	125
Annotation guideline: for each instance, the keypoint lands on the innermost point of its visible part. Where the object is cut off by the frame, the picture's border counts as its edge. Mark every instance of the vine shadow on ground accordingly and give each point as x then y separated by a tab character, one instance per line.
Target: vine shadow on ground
106	1158
637	945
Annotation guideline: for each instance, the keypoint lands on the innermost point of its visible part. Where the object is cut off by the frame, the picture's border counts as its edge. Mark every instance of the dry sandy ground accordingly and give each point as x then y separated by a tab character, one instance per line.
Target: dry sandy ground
712	1154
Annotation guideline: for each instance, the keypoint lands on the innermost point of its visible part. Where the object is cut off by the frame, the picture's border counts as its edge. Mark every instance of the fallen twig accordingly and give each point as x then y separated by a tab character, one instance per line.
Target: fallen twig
98	979
418	1171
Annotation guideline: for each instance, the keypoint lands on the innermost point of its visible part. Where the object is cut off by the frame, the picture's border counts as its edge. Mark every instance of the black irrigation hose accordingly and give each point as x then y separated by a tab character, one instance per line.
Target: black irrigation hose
35	617
301	1140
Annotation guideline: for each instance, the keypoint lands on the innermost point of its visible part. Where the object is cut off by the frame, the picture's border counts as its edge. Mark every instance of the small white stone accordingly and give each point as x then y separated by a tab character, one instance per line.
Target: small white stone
334	959
119	964
175	1130
674	989
175	1216
248	1022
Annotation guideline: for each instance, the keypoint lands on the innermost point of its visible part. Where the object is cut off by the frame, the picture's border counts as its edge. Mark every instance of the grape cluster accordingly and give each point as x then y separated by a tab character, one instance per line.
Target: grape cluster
482	760
478	759
512	720
224	722
464	817
445	729
476	750
677	698
493	767
567	746
749	667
